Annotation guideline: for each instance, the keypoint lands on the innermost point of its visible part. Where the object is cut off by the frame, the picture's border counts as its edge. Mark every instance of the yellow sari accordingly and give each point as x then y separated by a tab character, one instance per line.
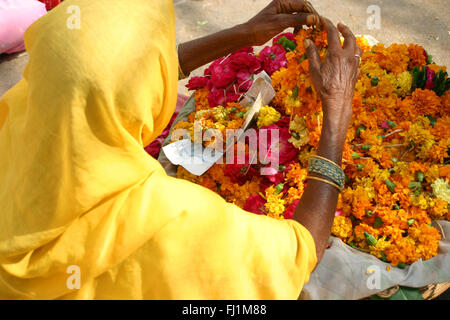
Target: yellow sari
78	189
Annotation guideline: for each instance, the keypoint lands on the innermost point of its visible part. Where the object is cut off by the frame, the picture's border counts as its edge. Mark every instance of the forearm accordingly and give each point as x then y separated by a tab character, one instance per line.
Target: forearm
316	209
198	52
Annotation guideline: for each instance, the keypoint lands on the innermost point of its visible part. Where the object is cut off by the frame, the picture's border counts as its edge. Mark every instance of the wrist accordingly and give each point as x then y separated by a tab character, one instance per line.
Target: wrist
337	114
247	33
331	144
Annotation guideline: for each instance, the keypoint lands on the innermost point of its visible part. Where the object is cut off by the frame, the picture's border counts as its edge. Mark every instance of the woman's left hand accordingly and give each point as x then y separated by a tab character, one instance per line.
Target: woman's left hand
277	16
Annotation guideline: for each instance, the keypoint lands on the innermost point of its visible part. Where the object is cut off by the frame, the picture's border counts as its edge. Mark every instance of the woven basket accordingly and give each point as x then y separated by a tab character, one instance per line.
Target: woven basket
429	292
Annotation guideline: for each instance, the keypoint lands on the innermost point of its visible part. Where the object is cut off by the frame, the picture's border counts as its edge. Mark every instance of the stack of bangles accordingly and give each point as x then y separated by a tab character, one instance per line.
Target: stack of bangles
327	168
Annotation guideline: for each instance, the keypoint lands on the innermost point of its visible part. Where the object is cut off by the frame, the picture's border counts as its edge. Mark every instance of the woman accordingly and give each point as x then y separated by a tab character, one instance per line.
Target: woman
78	192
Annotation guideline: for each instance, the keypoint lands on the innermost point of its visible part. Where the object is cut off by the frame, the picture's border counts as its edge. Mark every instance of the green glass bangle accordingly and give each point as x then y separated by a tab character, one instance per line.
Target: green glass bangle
327	169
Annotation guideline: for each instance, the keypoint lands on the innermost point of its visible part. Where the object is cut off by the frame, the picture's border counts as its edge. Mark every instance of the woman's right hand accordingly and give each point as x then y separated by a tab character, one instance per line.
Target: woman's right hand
335	78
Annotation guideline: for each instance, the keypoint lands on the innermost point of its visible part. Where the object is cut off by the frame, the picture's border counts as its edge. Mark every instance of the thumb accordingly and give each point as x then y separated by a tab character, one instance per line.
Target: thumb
313	56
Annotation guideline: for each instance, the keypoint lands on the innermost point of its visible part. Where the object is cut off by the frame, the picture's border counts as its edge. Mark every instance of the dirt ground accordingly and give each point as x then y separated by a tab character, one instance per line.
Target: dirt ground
424	22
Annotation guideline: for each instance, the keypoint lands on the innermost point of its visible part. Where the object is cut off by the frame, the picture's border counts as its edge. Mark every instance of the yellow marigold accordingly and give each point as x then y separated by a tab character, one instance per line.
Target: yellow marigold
402	250
426	240
432	173
426	102
304	156
342	227
417	56
296	175
372	69
182	173
402	83
420	137
420	201
381	245
294	194
438	209
439	150
275	204
267	116
201	99
363	43
441	189
437	68
298	126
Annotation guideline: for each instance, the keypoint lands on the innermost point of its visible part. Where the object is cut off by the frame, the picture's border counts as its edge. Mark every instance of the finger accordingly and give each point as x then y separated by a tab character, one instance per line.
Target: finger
312	53
334	41
290	6
295	20
349	38
359	50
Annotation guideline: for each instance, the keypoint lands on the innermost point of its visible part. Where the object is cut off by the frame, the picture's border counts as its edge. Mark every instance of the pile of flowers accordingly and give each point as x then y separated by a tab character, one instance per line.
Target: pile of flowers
396	155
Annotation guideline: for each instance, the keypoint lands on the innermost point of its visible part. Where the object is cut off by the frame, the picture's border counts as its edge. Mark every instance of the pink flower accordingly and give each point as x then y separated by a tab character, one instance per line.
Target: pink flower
197	82
289	35
244	81
222	96
273	58
286	151
245	61
430	79
222	74
289	213
385	125
240	173
255	204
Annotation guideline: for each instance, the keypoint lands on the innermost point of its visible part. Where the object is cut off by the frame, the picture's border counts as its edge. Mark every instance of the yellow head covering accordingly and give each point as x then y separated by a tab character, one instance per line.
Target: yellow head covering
77	188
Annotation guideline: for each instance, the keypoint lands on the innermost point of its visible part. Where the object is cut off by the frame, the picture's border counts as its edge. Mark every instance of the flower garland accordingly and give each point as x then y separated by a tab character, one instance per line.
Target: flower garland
396	154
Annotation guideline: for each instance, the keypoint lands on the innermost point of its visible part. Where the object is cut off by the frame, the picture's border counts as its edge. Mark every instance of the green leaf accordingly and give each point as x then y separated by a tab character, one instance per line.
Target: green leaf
411	221
432	120
405	293
420	176
369	213
295	135
442	83
394	160
430	59
279	188
401	265
391	186
383	257
287	44
378	222
359	167
295	93
202	23
281	168
360	128
370	239
366	147
375	81
355	155
391	124
303	58
414	185
240	114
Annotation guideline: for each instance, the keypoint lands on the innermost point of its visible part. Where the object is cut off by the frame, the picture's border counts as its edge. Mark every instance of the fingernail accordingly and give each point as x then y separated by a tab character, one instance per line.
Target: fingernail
311	19
306	43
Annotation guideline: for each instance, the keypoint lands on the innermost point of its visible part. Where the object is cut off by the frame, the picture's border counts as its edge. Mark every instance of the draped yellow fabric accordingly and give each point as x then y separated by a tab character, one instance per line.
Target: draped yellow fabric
78	189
